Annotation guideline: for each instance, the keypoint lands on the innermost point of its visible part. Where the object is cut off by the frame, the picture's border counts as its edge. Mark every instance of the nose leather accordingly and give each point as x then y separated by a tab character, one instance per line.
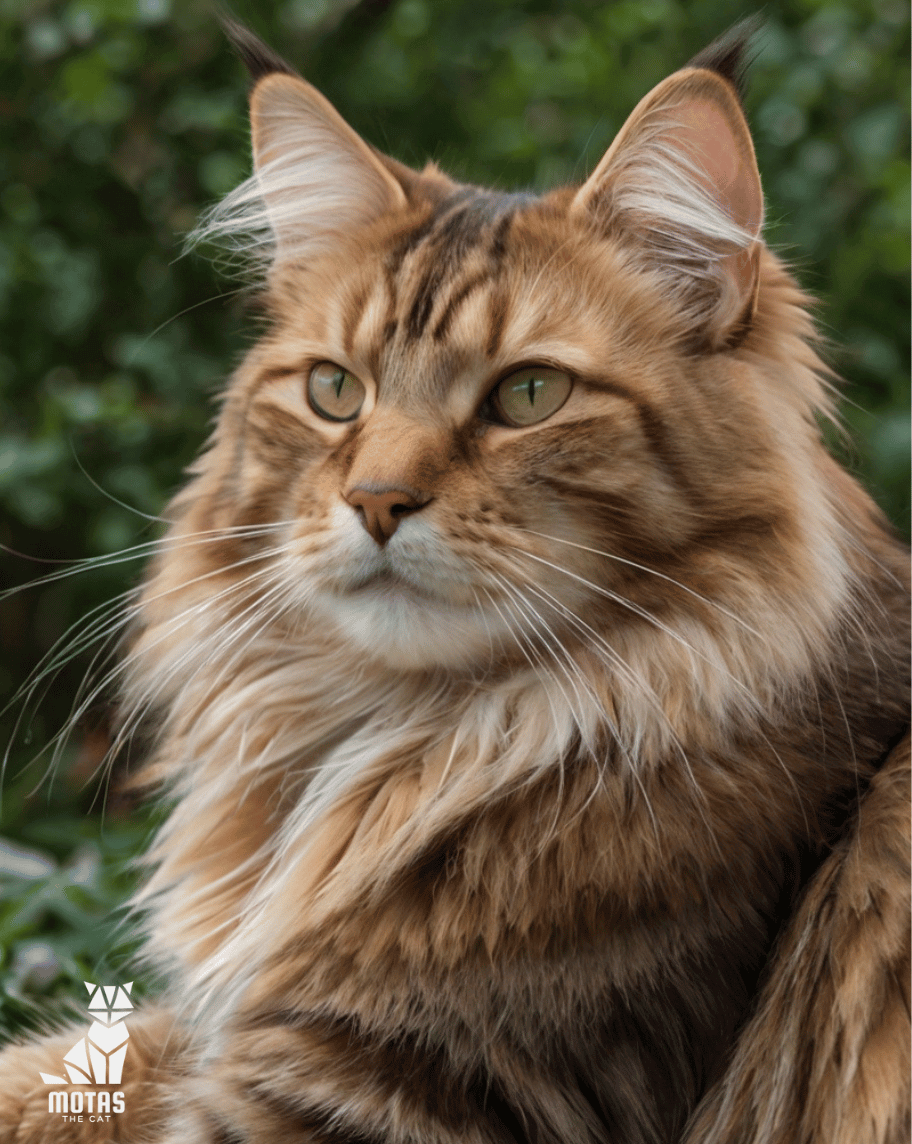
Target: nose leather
381	509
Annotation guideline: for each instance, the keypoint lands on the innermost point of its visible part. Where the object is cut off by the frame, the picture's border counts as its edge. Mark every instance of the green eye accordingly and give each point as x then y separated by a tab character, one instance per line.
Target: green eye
531	395
334	393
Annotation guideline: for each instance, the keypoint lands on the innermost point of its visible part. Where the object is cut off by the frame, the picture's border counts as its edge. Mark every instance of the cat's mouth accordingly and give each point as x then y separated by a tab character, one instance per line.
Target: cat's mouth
407	619
384	581
405	580
389	585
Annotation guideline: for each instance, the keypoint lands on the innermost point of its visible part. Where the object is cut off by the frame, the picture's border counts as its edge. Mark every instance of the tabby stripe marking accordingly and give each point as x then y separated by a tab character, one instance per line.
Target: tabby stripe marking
456	231
222	1134
322	1125
659	440
353	319
499	239
423	303
455	301
278	373
402	1067
654	430
496	255
497	314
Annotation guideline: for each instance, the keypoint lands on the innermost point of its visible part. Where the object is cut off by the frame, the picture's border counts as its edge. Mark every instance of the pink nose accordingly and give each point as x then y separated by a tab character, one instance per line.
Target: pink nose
381	509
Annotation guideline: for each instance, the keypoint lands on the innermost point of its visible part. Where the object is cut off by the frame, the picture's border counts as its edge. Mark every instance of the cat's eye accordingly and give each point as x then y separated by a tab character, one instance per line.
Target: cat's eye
529	395
334	393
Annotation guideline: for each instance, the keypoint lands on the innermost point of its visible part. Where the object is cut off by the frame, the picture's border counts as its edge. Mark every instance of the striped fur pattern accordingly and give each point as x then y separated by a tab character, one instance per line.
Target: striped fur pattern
556	813
825	1059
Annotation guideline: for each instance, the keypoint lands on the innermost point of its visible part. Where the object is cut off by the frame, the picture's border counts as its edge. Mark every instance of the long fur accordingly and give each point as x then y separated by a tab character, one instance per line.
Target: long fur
559	813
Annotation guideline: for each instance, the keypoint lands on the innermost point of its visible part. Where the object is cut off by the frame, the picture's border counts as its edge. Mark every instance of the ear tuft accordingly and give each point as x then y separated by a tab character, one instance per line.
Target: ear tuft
315	180
258	58
729	55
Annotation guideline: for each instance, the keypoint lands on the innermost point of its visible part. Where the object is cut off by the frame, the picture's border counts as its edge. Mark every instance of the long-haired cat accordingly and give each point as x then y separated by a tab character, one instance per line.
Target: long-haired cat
528	681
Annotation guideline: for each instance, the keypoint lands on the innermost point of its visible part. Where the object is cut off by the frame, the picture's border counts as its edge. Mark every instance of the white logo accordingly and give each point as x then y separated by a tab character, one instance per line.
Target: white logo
98	1057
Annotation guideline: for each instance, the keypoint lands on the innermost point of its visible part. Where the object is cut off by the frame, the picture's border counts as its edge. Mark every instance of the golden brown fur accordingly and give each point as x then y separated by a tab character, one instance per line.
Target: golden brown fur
826	1059
488	833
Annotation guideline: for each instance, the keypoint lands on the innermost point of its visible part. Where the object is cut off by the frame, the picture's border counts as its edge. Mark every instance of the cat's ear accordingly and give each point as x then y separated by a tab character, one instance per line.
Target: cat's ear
317	177
680	184
314	177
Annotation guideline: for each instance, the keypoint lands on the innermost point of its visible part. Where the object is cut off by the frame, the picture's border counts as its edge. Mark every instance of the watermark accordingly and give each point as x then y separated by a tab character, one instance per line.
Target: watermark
97	1058
78	1104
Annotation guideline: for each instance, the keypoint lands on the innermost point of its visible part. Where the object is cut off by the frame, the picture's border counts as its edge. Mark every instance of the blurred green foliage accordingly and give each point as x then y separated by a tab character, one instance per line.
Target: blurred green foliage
123	118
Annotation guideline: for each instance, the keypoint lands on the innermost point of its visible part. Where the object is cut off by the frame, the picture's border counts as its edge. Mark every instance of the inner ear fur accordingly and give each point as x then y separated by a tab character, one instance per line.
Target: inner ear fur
316	176
680	181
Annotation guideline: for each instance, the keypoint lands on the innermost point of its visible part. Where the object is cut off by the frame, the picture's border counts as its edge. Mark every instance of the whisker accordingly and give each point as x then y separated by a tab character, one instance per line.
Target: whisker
558	656
652	572
577	718
138	551
632	768
521	643
110	496
617	663
614	660
739	684
108	608
144	703
636	609
79	709
237	631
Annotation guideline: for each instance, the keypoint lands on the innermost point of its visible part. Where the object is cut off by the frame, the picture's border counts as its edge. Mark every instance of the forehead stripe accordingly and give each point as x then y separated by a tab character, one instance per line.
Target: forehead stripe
448	242
459	295
353	318
498	312
423	303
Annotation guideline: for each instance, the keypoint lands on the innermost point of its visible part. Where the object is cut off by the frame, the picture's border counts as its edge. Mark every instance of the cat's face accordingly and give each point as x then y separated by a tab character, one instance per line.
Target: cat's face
492	372
490	426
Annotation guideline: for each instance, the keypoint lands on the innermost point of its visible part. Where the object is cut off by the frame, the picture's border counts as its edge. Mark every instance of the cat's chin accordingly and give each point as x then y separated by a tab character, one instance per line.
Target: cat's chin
409	630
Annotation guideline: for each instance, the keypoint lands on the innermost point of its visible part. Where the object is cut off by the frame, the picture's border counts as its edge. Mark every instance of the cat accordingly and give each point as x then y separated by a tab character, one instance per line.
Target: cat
529	683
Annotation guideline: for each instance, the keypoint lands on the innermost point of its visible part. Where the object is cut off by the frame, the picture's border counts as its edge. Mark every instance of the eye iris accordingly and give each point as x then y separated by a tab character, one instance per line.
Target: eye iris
334	393
532	395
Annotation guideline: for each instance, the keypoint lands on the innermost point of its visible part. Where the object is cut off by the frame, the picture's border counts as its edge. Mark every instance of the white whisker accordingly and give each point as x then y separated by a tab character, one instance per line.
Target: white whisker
568	665
651	571
81	705
238	630
143	550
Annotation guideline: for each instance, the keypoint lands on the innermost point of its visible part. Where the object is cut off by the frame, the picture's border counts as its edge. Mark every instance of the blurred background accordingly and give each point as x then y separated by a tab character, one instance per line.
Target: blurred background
122	119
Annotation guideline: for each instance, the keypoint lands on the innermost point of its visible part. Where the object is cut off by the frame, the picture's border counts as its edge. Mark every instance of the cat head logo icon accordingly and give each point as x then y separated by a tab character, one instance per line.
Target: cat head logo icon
98	1056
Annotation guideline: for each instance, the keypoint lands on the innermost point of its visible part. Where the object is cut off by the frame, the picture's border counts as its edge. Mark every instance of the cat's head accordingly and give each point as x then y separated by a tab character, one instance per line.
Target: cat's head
486	426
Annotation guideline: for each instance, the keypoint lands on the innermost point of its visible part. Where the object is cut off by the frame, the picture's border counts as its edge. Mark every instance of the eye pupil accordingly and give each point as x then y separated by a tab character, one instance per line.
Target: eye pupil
338	382
532	384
